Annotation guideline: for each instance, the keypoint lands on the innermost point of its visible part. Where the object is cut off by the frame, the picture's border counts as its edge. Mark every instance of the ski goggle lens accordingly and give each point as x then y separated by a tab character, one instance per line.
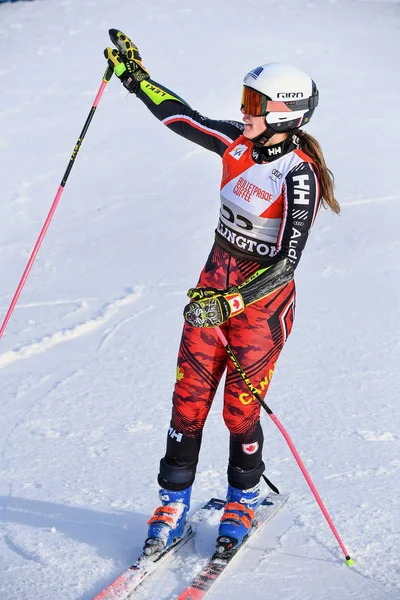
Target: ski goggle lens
254	103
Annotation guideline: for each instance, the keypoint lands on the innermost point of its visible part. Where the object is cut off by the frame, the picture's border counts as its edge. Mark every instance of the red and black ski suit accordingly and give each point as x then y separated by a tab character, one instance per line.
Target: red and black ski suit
269	199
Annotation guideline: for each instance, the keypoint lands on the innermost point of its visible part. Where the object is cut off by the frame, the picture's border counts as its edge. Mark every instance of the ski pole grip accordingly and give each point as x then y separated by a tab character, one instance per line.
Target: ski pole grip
108	74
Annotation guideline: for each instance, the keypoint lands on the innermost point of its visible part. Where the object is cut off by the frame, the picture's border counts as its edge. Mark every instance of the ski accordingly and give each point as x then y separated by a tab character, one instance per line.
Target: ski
144	566
202	583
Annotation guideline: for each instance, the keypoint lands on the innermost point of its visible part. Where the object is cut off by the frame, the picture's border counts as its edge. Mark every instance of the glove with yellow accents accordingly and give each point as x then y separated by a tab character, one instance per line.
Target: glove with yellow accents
212	307
126	62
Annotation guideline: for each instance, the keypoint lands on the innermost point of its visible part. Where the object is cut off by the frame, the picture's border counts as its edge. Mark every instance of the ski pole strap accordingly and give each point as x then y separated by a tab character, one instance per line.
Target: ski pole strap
270	484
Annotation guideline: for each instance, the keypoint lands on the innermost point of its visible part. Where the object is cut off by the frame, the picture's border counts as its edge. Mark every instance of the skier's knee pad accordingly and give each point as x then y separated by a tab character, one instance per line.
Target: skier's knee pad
244	479
176	476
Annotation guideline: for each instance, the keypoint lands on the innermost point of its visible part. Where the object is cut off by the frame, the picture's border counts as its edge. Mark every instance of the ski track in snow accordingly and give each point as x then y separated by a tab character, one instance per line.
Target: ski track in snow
48	342
108	334
28	556
392	467
363	201
375	436
81	302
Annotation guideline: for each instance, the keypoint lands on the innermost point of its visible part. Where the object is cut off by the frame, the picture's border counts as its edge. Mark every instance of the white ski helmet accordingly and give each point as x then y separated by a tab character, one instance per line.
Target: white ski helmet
286	96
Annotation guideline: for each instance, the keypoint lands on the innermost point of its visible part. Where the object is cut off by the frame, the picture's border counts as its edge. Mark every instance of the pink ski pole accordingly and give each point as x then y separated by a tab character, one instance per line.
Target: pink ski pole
285	434
106	78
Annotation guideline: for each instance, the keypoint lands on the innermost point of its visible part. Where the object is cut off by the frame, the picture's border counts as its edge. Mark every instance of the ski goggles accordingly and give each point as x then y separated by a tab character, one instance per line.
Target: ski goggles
256	104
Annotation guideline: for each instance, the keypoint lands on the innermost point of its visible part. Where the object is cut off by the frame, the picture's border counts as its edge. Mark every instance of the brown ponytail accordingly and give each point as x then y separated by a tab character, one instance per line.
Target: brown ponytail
311	147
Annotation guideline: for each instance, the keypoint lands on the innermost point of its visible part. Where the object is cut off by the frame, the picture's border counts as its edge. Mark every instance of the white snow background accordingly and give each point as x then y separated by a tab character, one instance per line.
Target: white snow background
87	363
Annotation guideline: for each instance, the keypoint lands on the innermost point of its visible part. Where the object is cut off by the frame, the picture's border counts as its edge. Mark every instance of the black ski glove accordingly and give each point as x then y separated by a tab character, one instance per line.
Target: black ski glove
126	61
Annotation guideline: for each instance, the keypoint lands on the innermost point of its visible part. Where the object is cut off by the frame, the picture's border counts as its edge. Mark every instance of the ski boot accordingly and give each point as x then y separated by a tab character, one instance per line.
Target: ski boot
238	519
167	524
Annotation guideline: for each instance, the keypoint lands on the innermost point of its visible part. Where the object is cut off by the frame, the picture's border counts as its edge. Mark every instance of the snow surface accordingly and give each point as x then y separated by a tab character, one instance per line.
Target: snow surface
87	363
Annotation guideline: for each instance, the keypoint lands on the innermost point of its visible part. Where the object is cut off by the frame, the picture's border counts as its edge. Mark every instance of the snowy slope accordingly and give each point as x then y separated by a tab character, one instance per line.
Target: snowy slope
87	362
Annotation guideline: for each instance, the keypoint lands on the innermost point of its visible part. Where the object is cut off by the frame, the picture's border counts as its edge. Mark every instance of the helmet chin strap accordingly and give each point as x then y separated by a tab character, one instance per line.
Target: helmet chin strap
263	138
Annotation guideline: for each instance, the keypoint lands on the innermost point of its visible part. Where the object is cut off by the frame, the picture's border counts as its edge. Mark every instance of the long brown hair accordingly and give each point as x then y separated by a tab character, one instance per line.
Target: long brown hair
311	147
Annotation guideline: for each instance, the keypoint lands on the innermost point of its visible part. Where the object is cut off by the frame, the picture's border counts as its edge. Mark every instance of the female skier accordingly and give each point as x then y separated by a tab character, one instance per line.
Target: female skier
274	179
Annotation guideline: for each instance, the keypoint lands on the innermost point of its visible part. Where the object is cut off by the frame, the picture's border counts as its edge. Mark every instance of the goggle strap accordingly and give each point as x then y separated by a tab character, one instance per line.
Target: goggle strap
280	106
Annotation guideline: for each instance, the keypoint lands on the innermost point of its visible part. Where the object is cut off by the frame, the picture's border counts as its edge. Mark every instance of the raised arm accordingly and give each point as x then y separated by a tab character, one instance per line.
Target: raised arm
168	107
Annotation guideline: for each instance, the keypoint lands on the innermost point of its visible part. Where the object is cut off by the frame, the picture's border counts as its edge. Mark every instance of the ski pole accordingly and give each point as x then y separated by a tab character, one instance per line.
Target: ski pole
256	394
106	78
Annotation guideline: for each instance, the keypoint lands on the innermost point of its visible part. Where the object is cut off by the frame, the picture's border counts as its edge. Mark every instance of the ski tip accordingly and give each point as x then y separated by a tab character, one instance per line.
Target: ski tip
349	561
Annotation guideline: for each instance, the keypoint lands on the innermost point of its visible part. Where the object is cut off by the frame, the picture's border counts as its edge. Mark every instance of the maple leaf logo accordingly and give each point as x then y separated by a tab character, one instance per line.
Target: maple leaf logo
250	448
179	374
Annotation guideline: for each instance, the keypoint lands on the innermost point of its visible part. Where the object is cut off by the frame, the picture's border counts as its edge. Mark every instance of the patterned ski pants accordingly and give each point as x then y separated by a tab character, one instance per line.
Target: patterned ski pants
256	336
